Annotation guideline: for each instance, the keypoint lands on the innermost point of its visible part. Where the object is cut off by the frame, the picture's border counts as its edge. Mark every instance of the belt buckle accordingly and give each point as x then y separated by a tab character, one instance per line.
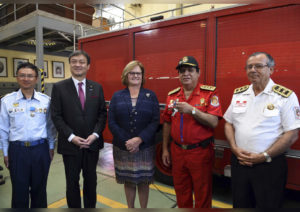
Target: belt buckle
184	146
27	143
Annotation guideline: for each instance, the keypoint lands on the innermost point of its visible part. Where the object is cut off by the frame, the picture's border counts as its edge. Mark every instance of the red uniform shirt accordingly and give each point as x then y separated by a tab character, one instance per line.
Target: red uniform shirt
184	128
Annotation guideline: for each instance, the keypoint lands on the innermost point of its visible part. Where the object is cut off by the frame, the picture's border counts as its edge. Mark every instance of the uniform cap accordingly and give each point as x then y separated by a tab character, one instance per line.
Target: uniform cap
188	61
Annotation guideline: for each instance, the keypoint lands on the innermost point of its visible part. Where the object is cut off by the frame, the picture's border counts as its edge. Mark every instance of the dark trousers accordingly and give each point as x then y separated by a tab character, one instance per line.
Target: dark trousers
87	161
29	168
260	186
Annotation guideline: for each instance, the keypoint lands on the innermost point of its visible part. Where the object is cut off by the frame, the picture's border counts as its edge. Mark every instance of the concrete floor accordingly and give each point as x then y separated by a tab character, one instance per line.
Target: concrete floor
110	194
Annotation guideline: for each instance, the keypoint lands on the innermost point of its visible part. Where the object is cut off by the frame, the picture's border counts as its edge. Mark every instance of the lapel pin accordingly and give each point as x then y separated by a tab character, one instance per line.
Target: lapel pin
148	95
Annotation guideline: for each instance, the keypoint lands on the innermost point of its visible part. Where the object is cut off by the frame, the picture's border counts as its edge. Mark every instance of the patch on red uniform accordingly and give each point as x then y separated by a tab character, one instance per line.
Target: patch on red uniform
214	101
297	112
202	102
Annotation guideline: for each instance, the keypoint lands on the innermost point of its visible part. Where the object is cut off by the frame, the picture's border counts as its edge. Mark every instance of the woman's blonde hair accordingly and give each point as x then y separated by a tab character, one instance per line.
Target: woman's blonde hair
129	68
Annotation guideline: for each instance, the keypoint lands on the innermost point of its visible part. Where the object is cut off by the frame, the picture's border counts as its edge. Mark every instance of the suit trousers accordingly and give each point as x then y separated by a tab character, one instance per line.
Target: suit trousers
86	161
261	185
29	168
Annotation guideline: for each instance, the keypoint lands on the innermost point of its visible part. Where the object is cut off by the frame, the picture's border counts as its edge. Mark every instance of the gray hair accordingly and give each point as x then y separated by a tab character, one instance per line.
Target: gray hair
270	63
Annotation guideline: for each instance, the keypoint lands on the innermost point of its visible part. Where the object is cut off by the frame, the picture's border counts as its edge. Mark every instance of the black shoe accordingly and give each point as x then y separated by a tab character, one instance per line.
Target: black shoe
1	168
2	181
1	176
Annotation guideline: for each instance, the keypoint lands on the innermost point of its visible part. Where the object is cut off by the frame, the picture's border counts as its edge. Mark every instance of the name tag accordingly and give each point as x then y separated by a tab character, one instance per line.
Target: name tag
240	106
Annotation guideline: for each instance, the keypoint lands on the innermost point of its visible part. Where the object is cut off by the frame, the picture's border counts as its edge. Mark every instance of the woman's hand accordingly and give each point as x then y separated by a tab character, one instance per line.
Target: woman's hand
133	144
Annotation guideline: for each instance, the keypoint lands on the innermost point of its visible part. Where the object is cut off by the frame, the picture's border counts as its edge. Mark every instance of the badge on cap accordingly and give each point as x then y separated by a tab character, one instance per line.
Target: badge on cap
214	101
185	59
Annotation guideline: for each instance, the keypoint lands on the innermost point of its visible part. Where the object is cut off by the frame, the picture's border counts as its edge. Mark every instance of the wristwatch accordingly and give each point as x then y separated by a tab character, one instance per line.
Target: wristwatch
268	157
194	111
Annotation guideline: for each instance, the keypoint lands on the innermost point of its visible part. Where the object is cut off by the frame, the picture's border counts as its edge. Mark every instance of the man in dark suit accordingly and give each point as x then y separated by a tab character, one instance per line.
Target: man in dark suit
79	113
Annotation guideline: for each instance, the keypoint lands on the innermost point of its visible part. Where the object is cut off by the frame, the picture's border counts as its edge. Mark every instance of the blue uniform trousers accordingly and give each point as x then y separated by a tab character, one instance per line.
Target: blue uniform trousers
29	168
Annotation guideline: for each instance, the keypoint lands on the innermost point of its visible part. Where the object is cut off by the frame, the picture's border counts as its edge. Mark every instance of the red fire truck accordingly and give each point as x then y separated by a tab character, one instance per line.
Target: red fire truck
221	41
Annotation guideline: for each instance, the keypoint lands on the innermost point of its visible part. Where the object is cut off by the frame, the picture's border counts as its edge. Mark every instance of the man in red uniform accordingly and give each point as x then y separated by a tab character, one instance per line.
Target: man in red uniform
192	111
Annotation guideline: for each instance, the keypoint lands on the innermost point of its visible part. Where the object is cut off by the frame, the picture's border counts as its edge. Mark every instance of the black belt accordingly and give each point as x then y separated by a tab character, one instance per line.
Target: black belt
29	143
202	144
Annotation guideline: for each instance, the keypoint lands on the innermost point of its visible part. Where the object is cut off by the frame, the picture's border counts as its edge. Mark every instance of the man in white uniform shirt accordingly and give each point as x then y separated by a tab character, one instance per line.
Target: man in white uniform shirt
262	122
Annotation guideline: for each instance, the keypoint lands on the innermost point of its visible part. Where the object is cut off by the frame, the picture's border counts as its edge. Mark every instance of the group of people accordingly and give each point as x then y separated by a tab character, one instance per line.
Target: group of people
262	121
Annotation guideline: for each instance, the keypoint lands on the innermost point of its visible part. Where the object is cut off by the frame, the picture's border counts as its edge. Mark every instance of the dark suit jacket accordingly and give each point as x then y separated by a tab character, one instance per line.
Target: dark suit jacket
125	123
68	116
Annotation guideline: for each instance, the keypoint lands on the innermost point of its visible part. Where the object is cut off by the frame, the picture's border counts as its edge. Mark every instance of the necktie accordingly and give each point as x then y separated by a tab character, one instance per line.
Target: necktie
81	94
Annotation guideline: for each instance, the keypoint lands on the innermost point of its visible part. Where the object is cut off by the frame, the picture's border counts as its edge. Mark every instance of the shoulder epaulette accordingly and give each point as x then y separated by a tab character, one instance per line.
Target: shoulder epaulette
241	89
282	91
174	91
208	87
43	94
6	95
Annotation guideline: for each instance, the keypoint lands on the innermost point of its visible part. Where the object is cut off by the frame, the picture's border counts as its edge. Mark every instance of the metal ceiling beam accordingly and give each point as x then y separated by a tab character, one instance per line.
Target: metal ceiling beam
128	13
27	36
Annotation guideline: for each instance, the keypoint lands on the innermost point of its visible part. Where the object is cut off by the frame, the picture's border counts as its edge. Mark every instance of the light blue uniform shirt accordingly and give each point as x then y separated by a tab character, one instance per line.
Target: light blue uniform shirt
25	119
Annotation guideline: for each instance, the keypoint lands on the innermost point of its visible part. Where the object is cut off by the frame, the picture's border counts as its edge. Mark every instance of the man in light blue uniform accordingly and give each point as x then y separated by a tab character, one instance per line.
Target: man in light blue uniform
27	135
2	181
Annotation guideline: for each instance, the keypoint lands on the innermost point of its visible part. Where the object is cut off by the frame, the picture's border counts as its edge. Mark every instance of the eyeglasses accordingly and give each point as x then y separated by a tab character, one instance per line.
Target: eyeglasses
257	66
29	76
135	73
81	62
184	69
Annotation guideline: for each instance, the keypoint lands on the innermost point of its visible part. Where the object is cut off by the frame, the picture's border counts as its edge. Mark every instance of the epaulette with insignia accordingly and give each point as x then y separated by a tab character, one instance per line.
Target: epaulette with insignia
174	91
282	91
241	89
6	95
208	87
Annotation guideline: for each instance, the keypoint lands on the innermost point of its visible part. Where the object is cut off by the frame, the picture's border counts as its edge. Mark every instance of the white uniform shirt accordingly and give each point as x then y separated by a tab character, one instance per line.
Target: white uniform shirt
260	120
25	119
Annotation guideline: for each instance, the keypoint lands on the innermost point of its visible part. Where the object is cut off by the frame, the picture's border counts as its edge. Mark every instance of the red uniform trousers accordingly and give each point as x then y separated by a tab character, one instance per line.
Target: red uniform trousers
192	173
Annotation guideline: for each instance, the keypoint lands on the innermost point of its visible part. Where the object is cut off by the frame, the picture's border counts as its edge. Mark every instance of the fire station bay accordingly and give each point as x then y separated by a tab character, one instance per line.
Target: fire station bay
127	104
